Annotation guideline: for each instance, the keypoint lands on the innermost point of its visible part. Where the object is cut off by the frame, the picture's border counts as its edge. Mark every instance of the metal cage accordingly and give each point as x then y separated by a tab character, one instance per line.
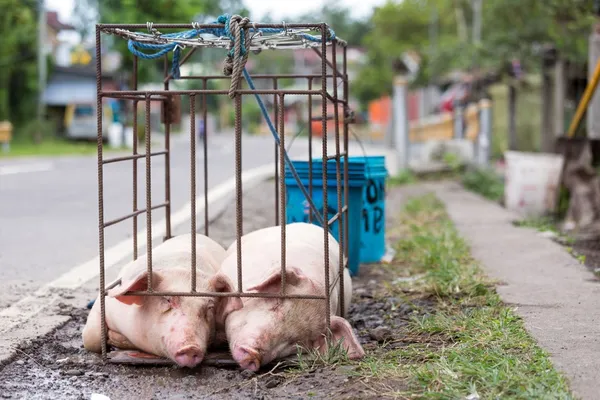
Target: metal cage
329	69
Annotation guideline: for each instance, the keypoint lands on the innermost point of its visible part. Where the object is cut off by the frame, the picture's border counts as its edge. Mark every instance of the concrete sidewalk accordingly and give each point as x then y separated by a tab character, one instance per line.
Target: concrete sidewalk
558	298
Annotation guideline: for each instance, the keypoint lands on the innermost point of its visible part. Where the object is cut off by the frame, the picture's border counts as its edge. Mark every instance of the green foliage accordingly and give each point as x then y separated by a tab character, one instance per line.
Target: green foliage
311	359
405	177
160	11
541	224
18	70
486	182
397	28
441	32
339	18
547	224
570	26
528	118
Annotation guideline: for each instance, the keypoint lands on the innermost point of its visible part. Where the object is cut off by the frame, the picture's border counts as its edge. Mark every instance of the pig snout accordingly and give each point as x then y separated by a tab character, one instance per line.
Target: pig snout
189	356
247	357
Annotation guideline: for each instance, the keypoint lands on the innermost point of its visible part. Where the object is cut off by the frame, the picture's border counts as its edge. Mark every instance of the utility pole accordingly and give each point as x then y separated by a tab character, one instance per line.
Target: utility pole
41	66
477	6
477	21
433	32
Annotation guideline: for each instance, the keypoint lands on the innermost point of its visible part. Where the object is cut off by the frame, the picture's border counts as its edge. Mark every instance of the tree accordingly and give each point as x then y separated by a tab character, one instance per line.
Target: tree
85	16
339	19
18	46
512	30
398	27
569	28
159	11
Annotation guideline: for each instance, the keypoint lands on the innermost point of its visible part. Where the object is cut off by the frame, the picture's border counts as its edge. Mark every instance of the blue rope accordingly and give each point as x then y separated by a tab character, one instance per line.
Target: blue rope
265	114
136	47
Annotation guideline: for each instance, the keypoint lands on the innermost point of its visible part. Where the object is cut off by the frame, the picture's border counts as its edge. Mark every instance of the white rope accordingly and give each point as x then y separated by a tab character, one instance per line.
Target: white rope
287	39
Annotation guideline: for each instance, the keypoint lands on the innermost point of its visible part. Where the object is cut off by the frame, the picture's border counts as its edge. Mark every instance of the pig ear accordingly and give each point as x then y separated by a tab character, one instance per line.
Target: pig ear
137	283
341	331
272	284
224	305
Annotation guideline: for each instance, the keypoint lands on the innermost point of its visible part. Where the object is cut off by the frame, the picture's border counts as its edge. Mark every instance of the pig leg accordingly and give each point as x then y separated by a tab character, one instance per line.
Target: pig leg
92	339
347	291
119	341
92	333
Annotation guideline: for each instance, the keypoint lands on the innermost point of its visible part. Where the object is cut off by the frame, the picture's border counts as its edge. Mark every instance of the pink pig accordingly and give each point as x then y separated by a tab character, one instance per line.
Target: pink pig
266	329
180	327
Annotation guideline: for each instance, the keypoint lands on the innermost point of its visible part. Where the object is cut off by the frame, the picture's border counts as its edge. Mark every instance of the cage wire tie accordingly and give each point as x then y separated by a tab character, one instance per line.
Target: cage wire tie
153	31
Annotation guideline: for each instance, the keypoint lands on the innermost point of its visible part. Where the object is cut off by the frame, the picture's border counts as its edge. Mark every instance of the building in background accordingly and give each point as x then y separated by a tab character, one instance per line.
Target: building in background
70	93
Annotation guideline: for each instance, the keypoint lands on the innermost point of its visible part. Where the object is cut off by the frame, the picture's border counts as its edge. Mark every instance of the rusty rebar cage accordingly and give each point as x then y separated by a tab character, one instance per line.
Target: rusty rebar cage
329	69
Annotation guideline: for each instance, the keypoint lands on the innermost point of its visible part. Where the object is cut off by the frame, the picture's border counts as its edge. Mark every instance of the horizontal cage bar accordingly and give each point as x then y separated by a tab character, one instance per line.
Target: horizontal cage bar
226	294
133	214
104	27
262	76
132	157
152	93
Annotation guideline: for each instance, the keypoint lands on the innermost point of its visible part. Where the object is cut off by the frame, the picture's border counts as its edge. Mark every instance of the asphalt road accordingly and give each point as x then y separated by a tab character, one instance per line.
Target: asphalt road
49	206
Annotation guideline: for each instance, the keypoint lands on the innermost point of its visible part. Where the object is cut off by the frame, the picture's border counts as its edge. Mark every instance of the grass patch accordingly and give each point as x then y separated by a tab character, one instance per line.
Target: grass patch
311	359
408	177
546	224
405	177
541	224
53	147
485	182
472	343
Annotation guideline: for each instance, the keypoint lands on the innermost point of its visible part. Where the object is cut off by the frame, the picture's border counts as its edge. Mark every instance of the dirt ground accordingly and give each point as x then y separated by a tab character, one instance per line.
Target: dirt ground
57	367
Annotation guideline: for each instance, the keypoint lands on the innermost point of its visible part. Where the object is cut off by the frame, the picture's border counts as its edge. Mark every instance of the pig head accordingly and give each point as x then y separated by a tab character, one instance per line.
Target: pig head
269	328
176	327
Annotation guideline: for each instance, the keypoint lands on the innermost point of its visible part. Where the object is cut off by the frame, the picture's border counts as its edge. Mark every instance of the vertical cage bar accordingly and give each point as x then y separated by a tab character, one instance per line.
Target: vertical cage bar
148	195
135	160
324	156
275	122
167	158
282	190
193	186
99	111
338	175
310	140
238	186
345	138
205	150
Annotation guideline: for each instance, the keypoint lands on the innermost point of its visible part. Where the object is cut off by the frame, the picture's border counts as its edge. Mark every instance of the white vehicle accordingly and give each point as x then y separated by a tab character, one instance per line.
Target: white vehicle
80	121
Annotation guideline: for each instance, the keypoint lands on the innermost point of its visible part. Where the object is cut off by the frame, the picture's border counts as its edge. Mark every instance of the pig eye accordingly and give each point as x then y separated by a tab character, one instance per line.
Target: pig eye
166	304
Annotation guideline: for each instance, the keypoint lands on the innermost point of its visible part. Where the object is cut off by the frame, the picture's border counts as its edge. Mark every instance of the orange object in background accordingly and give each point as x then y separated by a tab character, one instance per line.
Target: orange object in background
379	110
317	122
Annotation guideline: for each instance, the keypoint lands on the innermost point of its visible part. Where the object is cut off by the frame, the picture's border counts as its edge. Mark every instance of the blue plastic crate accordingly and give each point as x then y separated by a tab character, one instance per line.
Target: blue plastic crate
372	237
298	209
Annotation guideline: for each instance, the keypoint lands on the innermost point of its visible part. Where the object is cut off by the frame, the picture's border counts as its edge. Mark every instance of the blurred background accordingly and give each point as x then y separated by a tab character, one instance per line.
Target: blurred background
530	57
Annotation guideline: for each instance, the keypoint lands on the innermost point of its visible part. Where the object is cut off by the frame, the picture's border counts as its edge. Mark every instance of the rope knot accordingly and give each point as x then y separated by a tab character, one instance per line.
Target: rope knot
238	55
